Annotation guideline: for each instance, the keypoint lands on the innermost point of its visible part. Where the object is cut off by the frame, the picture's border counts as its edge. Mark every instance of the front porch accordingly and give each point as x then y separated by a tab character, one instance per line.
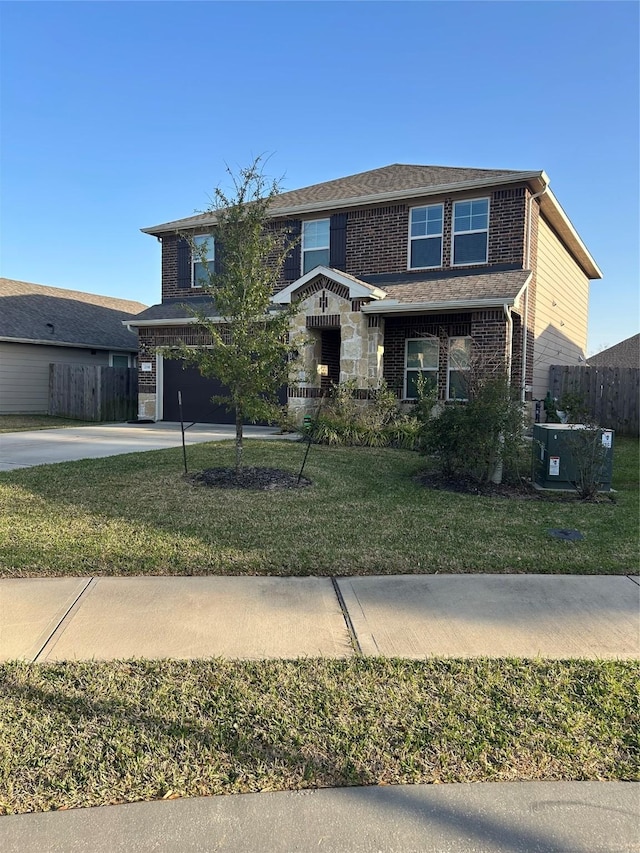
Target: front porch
354	330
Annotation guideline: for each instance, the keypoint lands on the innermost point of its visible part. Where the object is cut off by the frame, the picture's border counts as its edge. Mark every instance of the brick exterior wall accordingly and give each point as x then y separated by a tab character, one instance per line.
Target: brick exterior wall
398	329
377	236
376	243
170	267
162	336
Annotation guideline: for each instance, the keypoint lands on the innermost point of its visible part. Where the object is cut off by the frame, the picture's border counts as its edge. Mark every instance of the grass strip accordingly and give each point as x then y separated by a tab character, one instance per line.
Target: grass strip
364	514
85	733
20	423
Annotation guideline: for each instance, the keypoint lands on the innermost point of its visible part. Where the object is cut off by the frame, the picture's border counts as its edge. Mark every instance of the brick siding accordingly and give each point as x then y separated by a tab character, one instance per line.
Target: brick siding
377	237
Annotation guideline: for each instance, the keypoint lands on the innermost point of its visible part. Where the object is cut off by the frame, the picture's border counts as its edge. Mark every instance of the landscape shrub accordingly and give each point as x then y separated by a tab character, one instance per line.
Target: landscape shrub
344	420
481	438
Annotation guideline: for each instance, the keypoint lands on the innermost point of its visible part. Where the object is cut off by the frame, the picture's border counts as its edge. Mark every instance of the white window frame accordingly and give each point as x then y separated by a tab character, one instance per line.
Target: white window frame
454	234
196	259
303	249
407	369
450	369
127	355
426	236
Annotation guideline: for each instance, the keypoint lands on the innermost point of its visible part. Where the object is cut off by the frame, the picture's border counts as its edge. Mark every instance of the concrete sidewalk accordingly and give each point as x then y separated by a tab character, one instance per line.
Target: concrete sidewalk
411	616
513	817
46	446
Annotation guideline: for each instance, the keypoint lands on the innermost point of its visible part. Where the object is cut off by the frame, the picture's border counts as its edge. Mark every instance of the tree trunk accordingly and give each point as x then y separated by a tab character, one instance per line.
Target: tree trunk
238	440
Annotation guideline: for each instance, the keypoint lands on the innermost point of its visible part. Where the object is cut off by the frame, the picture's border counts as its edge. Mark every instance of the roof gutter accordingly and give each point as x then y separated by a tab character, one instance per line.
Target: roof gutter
72	344
392	306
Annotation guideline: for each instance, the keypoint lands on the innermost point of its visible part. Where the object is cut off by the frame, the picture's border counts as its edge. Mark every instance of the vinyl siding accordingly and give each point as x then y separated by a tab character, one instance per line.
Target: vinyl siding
24	374
562	301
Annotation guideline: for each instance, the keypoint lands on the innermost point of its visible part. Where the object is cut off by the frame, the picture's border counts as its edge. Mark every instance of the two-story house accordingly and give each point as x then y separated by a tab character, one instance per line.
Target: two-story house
399	271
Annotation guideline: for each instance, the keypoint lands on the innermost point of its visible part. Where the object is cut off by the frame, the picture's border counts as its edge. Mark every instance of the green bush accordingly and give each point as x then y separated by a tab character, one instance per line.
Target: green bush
376	422
481	437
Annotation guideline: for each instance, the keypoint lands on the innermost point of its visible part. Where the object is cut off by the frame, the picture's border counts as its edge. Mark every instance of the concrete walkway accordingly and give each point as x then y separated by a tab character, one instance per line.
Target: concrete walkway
42	447
411	616
414	616
515	817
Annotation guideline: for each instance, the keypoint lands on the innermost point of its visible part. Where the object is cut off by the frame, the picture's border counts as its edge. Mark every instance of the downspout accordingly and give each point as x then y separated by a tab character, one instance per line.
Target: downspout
525	317
496	475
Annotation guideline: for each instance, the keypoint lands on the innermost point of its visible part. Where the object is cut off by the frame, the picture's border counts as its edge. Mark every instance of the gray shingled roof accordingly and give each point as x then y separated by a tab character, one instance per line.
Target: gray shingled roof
498	286
624	354
34	312
178	309
398	178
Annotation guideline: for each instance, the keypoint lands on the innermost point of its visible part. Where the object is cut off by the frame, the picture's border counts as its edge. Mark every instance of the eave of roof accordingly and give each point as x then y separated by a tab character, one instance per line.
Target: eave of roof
537	180
206	220
72	344
358	289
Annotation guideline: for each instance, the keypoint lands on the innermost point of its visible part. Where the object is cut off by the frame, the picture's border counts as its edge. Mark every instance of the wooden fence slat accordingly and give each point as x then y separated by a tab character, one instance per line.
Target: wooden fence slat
611	394
93	392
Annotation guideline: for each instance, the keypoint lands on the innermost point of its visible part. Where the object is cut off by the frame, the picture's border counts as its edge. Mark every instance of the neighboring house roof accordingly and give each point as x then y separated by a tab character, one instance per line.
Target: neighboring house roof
35	313
403	182
624	354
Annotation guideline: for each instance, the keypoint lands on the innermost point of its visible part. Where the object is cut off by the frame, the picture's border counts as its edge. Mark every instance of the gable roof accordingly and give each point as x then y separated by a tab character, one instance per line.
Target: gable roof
624	354
393	182
56	316
402	182
358	288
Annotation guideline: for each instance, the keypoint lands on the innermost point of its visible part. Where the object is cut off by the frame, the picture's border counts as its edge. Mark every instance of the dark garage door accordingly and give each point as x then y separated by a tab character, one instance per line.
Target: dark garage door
196	396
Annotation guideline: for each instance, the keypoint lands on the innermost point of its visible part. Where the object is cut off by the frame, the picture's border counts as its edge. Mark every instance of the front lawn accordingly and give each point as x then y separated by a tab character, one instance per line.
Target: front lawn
364	514
88	734
20	423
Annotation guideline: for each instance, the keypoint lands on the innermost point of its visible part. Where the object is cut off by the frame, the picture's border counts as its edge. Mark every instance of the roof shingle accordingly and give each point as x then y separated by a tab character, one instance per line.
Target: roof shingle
34	312
398	178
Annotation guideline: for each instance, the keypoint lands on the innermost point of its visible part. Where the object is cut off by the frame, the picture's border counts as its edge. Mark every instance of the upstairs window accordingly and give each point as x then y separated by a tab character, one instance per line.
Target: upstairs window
315	244
425	237
458	368
470	231
421	359
204	256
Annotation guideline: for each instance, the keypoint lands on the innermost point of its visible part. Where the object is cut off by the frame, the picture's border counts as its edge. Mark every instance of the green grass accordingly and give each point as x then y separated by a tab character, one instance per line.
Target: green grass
364	514
20	423
84	734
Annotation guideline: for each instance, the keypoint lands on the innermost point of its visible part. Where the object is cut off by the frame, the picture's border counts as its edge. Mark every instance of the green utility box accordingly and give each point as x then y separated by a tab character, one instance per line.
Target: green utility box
555	451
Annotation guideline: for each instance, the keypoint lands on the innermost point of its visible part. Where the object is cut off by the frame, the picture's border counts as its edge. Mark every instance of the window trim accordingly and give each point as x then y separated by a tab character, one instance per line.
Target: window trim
315	248
196	260
454	234
127	355
449	398
405	383
426	237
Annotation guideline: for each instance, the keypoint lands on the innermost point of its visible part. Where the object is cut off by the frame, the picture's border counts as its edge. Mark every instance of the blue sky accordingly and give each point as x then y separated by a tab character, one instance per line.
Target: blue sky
120	115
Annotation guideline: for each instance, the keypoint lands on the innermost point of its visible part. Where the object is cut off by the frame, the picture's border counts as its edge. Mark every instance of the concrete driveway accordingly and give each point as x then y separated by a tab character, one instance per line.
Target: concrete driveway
43	447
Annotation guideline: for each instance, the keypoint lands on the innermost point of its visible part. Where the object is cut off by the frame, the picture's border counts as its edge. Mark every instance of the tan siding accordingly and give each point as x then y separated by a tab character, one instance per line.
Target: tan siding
24	374
561	309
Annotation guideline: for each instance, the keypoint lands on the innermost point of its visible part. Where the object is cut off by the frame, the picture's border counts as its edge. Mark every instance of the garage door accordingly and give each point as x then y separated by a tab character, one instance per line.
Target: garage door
197	392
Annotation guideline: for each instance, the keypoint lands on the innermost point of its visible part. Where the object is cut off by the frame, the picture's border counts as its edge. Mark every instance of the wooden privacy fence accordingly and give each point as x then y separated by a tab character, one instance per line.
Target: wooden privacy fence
92	392
610	393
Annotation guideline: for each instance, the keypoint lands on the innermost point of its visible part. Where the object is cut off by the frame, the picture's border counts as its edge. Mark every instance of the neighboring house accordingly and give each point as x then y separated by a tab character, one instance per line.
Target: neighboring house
624	354
399	271
40	325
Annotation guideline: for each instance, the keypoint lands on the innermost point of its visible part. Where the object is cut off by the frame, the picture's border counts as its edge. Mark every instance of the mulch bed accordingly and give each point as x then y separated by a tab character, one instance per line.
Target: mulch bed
260	479
522	490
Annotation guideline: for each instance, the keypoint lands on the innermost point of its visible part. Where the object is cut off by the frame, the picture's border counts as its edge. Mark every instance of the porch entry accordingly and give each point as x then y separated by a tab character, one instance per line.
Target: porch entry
330	356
